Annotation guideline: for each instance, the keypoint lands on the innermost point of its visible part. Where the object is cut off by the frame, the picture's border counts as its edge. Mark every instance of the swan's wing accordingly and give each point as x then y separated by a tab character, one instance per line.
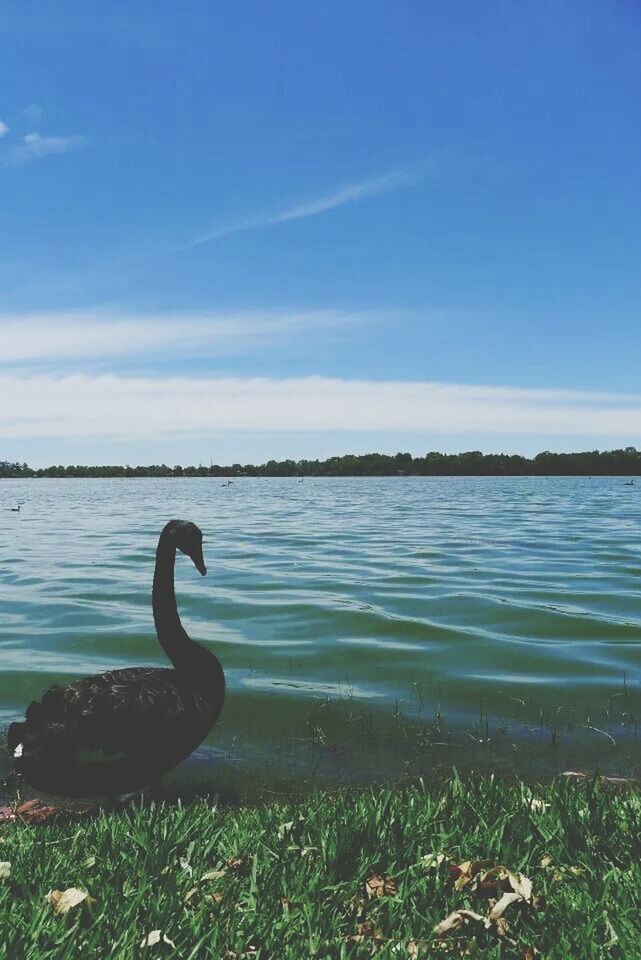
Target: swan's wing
119	712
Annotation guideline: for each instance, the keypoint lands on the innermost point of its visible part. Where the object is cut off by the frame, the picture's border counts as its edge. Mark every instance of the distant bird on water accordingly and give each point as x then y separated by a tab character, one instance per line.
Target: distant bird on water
15	509
117	732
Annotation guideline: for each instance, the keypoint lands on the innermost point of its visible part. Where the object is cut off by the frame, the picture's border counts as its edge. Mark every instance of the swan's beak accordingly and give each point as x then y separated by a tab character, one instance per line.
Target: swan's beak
199	563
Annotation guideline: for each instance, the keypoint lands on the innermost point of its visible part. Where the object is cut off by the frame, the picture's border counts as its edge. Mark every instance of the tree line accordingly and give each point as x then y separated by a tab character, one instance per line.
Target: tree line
473	463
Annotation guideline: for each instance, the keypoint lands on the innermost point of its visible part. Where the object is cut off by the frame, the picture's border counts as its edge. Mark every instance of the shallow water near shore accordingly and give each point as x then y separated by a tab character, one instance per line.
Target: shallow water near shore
367	626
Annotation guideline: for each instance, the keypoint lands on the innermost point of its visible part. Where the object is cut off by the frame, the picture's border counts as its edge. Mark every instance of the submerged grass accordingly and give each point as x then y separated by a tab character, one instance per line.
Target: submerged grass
289	880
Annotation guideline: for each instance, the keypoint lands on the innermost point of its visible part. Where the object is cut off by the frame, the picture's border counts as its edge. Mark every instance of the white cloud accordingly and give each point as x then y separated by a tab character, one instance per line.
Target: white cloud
33	146
3	128
144	407
47	337
356	191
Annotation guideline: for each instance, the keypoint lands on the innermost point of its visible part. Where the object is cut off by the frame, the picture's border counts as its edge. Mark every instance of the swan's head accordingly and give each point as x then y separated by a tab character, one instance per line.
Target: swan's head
188	538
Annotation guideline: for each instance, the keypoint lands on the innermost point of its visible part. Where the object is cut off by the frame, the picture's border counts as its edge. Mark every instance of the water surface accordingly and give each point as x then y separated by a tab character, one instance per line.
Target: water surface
365	625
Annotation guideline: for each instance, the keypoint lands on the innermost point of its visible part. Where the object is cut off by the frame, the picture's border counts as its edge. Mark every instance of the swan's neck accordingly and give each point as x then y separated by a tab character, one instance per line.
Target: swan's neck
199	666
172	636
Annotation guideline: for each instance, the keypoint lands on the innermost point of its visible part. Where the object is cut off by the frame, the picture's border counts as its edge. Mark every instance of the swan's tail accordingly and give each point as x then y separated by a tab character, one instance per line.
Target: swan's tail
44	730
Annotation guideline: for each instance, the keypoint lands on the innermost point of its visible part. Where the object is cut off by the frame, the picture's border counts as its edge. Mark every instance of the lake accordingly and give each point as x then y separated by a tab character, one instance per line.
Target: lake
367	626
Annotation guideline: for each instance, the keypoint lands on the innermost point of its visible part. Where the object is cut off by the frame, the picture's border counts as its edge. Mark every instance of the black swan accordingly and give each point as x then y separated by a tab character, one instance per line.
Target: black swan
138	722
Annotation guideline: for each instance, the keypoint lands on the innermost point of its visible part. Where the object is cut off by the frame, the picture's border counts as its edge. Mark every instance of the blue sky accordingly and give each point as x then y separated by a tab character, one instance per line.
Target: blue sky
245	230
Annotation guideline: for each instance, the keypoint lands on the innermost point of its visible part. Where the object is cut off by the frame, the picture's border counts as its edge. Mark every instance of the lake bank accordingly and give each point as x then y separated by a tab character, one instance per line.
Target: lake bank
336	875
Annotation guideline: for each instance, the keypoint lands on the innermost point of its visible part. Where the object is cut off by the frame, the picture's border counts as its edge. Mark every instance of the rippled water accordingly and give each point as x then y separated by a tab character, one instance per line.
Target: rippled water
348	613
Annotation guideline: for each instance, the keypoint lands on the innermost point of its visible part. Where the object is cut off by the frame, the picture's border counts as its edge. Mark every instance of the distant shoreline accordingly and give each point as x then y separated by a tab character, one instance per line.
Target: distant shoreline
611	463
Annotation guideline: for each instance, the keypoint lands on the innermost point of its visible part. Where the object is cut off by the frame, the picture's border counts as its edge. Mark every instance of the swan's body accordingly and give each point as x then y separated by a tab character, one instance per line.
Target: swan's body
137	723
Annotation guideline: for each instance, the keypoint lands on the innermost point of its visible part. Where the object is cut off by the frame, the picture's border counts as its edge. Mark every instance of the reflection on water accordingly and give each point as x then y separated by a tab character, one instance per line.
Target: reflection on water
510	606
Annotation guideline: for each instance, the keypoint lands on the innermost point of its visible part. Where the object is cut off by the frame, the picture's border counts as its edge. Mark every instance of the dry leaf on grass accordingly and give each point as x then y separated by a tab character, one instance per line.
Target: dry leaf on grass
367	932
502	927
521	885
5	869
497	910
466	871
486	881
358	907
213	875
456	919
378	886
63	901
32	811
155	937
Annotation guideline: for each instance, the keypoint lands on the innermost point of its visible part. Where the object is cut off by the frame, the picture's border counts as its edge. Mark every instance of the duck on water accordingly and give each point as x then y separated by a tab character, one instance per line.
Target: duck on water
118	732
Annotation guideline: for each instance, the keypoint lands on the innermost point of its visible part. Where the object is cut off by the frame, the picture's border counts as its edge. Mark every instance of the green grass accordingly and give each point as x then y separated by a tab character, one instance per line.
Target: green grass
290	876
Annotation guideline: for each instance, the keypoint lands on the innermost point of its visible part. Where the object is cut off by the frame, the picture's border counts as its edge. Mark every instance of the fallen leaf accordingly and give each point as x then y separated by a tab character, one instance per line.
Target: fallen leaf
235	863
213	875
378	886
457	919
41	813
155	937
358	906
546	861
63	901
521	885
27	806
367	932
190	894
216	897
527	953
500	905
466	871
5	869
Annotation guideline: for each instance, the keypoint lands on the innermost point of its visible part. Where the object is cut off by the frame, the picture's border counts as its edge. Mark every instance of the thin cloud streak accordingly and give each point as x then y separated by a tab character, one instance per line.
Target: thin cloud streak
356	191
145	407
52	336
34	146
